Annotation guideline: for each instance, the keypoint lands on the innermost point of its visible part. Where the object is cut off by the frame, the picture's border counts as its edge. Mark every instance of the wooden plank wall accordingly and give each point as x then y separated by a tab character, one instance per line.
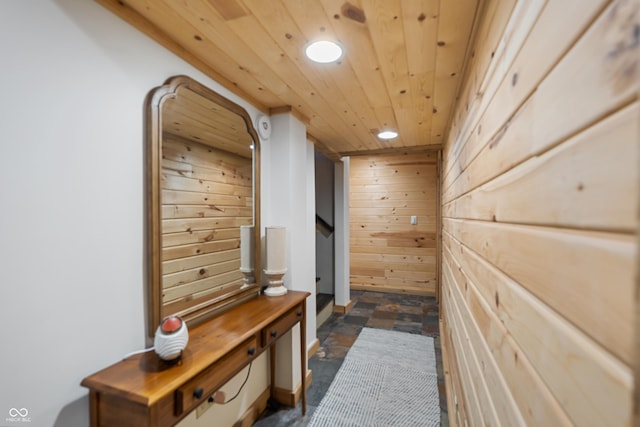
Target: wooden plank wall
539	215
206	197
388	253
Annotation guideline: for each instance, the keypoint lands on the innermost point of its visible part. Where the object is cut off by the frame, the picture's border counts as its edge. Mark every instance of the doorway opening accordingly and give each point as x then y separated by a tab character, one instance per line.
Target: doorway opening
325	237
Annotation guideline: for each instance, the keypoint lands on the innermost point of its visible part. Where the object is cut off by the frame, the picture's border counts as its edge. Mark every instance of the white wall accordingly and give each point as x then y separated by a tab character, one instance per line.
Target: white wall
343	263
290	189
72	220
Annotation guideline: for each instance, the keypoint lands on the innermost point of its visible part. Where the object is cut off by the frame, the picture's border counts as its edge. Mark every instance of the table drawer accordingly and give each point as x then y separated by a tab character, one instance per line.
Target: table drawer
282	325
198	389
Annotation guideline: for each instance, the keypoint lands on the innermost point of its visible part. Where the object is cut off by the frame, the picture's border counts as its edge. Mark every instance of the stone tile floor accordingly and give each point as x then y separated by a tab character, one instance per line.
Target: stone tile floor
398	312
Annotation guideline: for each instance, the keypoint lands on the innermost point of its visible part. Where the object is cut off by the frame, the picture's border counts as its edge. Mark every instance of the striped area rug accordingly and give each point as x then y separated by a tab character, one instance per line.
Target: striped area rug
387	379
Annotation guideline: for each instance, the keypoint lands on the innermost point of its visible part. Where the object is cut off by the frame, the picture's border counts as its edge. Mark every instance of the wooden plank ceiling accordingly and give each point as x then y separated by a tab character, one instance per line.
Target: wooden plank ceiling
401	70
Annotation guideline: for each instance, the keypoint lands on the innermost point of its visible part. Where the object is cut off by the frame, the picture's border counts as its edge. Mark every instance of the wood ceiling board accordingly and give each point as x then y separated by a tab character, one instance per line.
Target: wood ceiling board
141	23
361	56
314	24
229	9
454	33
420	20
194	129
320	112
239	59
394	73
387	34
251	31
188	33
204	116
286	35
195	118
275	65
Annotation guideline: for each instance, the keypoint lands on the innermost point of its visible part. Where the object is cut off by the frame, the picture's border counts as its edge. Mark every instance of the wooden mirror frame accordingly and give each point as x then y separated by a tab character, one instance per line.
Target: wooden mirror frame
199	308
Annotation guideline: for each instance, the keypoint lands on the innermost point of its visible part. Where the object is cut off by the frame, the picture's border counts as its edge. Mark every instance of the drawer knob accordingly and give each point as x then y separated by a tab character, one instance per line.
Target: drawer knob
299	313
197	393
251	351
274	333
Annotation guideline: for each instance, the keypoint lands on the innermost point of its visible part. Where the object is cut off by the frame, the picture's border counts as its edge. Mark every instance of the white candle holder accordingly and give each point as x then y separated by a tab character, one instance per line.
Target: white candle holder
275	283
249	277
247	254
276	266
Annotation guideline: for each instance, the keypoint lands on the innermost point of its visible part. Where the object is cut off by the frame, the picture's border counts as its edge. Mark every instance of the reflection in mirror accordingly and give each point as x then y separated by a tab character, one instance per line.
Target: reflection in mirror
203	180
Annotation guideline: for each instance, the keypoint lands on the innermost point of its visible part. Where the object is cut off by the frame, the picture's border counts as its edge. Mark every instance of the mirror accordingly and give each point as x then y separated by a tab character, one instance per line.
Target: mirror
203	185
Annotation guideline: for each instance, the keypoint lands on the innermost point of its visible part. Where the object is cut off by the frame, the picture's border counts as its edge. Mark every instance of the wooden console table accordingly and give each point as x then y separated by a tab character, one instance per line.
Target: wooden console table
143	390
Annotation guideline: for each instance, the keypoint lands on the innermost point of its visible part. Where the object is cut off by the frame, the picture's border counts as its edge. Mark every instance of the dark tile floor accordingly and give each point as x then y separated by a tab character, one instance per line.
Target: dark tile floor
398	312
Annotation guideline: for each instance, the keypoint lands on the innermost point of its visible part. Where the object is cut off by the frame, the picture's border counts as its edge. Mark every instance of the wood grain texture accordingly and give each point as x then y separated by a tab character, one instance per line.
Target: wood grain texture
217	224
484	114
387	252
533	344
402	68
471	383
144	390
454	33
449	372
515	370
496	401
540	193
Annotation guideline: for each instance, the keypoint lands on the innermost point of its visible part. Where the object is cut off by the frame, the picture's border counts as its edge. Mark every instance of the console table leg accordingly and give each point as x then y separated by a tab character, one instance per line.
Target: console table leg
303	356
272	369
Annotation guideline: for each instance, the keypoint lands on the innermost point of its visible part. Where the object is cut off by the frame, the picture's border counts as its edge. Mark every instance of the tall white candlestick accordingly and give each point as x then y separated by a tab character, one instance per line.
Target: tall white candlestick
247	251
276	260
276	238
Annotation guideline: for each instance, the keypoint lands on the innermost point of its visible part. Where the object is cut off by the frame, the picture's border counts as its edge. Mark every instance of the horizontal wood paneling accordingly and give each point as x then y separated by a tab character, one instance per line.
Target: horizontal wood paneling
495	399
206	196
472	384
539	341
540	191
539	215
514	367
388	253
487	105
540	258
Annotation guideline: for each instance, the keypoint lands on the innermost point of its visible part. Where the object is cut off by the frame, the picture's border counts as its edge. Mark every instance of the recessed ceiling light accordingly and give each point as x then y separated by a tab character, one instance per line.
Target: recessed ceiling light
324	51
387	134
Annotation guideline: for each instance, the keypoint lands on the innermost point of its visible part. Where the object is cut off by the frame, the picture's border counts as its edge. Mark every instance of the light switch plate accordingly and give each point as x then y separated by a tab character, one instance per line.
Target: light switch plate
414	220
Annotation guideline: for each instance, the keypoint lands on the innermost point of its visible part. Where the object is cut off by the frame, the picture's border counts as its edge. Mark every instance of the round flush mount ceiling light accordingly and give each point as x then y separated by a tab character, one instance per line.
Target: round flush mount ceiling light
324	51
387	134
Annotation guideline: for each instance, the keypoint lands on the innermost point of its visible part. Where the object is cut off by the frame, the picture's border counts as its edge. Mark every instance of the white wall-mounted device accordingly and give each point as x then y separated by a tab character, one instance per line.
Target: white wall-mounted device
264	126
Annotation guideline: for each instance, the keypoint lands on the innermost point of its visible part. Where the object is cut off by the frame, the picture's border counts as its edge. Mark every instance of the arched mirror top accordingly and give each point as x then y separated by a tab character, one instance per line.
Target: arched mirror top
203	195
